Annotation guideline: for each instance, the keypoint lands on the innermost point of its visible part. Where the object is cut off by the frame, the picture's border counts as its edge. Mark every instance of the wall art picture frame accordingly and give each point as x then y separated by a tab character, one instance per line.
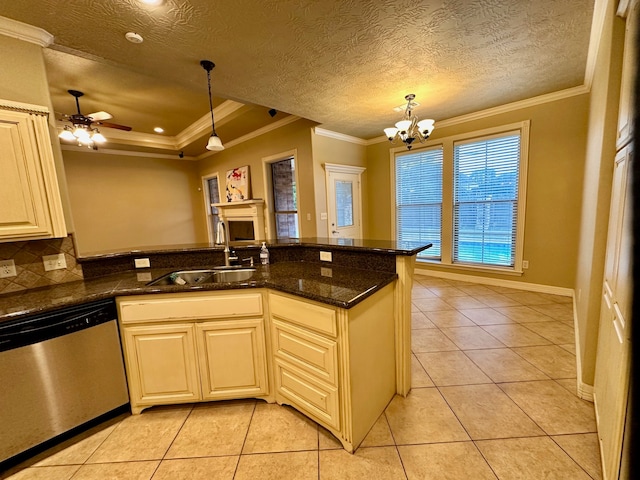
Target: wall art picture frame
238	184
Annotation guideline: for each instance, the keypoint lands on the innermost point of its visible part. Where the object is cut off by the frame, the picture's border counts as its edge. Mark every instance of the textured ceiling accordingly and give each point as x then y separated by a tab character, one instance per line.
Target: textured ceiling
342	63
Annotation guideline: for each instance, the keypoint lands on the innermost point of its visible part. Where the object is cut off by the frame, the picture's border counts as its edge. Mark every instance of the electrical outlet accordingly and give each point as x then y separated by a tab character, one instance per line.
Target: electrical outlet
54	262
142	262
525	264
7	268
325	256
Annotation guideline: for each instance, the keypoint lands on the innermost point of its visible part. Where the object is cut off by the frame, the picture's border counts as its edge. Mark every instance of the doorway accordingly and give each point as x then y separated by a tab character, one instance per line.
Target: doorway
344	200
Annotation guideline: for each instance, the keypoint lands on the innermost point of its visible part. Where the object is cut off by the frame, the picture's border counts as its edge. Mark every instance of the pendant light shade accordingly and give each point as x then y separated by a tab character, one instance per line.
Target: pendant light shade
214	144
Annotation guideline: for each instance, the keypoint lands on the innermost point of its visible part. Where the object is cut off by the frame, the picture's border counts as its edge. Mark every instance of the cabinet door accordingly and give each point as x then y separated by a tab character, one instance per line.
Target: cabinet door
161	364
30	197
232	358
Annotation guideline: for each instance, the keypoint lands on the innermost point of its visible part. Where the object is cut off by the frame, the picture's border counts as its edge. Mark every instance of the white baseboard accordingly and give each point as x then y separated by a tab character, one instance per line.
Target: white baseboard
584	390
497	282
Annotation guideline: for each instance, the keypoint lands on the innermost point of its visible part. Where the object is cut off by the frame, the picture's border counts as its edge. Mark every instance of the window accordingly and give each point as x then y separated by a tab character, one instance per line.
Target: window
285	198
465	194
212	195
419	199
485	200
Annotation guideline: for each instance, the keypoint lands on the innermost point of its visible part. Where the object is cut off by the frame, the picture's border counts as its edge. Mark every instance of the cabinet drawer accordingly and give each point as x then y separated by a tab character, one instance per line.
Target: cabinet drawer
313	353
312	396
188	306
308	315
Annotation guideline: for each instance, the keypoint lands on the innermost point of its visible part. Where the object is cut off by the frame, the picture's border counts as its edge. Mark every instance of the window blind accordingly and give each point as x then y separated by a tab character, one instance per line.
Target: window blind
485	203
419	199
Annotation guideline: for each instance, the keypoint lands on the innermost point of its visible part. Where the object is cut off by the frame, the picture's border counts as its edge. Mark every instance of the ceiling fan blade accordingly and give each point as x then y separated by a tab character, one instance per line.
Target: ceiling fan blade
114	125
99	116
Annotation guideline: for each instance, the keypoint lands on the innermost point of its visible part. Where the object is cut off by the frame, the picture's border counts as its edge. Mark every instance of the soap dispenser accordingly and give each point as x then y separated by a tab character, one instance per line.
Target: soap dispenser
264	254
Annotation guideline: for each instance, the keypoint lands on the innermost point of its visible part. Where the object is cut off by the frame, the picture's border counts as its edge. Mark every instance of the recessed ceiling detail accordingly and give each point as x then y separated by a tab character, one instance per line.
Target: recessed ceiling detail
341	63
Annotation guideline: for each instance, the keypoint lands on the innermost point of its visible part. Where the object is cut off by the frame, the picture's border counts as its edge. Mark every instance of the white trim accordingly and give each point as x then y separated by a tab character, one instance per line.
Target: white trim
506	108
254	134
497	282
583	390
330	168
207	202
338	168
23	107
623	8
201	126
125	153
323	132
597	25
25	32
267	180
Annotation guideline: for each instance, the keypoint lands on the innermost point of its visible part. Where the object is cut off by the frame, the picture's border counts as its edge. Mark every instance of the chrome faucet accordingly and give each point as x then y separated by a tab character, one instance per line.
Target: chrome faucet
228	254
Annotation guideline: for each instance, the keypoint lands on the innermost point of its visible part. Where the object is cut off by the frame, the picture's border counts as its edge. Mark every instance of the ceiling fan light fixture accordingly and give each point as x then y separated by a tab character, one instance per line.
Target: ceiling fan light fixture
409	129
67	135
98	137
214	144
80	131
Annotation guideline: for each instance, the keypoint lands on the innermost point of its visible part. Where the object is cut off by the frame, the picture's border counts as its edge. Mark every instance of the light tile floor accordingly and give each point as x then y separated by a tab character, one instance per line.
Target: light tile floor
493	397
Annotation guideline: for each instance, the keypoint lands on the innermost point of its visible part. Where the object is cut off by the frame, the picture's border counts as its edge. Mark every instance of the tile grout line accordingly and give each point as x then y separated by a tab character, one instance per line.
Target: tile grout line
244	441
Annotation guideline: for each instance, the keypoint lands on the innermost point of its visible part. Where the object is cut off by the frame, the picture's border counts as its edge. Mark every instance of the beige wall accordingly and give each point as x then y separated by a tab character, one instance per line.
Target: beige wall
599	160
295	136
26	81
332	150
126	202
557	140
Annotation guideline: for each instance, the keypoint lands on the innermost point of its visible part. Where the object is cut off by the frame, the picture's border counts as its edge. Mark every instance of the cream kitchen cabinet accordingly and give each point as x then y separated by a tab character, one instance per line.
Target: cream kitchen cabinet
195	346
161	365
336	366
30	195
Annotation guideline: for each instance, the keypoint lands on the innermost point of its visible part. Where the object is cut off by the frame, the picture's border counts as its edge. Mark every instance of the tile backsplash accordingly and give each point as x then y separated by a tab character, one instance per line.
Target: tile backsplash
27	256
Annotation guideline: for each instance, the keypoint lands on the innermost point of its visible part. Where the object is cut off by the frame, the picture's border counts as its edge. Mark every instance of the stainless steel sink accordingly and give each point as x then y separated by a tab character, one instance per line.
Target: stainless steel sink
198	277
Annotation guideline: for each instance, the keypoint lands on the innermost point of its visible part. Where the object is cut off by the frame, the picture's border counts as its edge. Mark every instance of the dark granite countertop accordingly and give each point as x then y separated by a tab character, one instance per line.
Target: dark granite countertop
338	286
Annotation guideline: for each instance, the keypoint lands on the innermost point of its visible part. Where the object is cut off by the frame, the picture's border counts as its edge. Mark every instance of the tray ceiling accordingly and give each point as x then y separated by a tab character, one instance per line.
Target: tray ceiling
342	63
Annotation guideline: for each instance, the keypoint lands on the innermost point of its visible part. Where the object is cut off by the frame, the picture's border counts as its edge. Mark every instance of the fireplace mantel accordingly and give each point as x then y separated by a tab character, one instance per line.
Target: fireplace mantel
245	211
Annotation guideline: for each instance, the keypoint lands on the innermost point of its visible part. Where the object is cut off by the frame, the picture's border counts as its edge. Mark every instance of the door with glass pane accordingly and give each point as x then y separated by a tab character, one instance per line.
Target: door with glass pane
344	202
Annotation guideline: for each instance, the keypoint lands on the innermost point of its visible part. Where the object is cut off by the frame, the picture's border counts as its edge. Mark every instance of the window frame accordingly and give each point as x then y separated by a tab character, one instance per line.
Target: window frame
207	203
447	232
268	188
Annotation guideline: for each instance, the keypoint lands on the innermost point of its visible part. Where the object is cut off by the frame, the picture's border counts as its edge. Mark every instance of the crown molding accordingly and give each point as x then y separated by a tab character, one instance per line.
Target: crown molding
25	32
508	107
254	134
323	132
201	126
124	153
23	107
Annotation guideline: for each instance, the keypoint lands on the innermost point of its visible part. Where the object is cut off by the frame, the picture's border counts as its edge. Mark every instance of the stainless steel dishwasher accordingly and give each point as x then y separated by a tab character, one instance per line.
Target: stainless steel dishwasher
58	371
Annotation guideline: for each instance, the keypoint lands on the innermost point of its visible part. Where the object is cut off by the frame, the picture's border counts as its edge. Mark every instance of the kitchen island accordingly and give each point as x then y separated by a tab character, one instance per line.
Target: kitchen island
330	338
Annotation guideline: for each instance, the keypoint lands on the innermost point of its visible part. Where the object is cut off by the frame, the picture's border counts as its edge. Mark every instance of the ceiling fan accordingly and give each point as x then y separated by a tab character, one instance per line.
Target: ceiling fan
82	129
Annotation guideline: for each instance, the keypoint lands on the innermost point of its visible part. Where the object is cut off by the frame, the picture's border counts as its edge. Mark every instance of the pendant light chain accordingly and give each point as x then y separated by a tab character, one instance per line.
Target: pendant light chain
213	127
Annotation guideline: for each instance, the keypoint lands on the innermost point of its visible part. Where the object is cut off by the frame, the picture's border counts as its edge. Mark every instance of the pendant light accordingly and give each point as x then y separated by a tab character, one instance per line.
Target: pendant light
214	144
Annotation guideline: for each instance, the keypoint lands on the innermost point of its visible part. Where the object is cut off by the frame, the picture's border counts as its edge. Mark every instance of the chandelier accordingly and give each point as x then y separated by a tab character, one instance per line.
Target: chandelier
214	144
409	128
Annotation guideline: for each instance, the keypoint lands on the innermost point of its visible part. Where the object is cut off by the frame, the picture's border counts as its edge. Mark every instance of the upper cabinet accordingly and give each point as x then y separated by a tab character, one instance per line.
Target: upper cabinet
629	10
29	194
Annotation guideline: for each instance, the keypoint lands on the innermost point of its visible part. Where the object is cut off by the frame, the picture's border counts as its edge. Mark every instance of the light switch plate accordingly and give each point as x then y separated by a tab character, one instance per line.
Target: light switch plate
54	262
323	216
325	256
142	262
7	268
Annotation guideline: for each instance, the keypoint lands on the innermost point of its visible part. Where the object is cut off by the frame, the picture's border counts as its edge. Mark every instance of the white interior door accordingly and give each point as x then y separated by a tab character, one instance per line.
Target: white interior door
344	201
